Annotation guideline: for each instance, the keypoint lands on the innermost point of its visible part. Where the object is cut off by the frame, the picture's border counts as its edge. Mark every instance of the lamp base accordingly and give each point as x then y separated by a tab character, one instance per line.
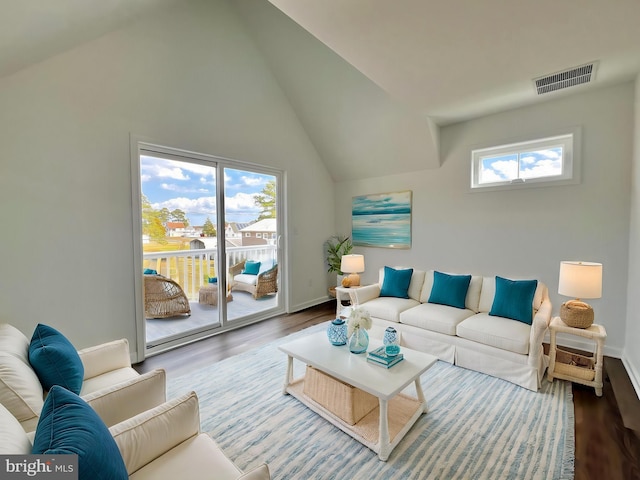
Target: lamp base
576	314
351	280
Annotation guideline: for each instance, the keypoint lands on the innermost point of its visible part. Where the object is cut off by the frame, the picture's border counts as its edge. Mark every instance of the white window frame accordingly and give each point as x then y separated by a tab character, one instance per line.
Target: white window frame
569	140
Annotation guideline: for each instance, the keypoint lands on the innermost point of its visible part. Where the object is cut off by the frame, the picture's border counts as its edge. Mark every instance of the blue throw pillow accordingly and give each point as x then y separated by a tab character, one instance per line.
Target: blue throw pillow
68	425
396	282
55	360
150	271
449	289
514	299
251	267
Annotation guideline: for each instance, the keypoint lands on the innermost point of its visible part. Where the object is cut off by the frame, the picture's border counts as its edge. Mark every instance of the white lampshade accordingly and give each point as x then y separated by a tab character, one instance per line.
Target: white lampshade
580	279
352	263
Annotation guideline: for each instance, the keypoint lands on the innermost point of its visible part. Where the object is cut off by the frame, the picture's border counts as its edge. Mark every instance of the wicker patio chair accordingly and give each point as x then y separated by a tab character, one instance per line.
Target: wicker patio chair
257	285
267	282
164	298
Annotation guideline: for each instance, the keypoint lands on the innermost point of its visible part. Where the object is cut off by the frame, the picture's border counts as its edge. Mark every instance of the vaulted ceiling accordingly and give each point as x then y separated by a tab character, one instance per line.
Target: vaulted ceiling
372	81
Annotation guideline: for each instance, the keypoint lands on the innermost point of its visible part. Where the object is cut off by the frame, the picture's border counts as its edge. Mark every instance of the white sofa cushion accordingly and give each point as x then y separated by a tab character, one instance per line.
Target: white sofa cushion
246	278
14	342
13	438
489	291
499	332
473	293
20	389
107	380
435	317
196	457
389	308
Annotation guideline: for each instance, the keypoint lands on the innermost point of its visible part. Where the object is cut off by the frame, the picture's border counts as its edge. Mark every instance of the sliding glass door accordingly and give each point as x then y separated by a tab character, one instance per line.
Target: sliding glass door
209	256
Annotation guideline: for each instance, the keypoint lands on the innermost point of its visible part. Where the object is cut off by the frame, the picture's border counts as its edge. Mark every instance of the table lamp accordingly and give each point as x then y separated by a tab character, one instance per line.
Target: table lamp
352	264
579	280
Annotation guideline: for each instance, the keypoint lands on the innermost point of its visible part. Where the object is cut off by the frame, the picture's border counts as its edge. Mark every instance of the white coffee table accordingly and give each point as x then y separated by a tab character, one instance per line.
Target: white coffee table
385	426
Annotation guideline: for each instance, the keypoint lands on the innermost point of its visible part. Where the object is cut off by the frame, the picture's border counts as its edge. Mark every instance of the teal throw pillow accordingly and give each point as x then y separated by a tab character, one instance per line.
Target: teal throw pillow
514	299
449	289
55	360
251	267
68	425
396	282
150	271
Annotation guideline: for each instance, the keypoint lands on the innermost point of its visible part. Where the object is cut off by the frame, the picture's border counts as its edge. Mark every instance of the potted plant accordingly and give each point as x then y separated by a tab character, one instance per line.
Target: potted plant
335	248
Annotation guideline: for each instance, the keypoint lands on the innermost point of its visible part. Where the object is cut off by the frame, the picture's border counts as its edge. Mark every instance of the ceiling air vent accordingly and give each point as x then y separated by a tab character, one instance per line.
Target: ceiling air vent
567	78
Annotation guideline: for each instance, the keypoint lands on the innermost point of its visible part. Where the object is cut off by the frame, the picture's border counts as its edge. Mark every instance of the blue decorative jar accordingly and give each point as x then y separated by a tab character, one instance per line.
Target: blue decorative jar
390	337
337	332
359	341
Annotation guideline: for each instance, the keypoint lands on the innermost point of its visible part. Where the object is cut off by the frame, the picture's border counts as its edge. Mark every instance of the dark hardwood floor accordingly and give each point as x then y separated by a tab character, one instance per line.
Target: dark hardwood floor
604	447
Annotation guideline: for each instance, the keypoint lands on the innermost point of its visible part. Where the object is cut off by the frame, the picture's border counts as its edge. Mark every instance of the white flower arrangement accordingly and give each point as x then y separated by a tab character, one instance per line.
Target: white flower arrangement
359	318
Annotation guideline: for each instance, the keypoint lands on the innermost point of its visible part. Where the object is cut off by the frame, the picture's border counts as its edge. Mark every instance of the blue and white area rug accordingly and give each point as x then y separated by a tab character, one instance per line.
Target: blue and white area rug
477	427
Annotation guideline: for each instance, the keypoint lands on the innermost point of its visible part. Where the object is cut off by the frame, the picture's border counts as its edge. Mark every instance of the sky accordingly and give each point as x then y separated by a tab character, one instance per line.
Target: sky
190	187
540	163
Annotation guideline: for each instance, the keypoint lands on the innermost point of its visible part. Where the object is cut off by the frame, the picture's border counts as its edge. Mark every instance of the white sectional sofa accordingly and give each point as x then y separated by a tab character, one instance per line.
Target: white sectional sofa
474	336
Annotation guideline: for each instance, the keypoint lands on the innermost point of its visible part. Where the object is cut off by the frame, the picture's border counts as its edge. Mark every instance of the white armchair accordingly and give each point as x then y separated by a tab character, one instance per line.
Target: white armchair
110	385
162	443
166	443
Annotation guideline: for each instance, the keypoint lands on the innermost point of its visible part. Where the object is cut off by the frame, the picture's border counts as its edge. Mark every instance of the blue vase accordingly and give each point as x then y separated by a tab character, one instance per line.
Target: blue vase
359	341
337	332
390	337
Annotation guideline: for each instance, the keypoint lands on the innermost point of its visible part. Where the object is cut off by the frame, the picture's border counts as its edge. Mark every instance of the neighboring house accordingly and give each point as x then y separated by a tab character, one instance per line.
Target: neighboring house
260	233
175	229
232	230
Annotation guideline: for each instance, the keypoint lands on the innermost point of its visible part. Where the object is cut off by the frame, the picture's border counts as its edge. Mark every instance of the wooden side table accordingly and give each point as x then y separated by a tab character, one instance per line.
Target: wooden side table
573	367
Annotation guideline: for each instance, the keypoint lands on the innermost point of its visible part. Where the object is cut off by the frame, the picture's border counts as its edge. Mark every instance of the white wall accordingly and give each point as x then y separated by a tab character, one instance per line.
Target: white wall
631	357
524	233
189	78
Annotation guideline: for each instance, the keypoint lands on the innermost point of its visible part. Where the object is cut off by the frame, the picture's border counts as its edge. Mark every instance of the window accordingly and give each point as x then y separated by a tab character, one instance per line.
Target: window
531	163
258	235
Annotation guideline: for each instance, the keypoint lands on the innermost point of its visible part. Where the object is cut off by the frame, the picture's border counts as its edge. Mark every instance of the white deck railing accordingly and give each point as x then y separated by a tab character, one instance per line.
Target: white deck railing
192	268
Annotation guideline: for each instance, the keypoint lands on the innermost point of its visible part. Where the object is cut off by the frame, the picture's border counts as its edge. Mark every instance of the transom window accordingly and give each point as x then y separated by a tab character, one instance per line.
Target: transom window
535	162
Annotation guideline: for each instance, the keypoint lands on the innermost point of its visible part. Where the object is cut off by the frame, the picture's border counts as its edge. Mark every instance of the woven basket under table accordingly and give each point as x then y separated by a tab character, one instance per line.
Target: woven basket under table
575	365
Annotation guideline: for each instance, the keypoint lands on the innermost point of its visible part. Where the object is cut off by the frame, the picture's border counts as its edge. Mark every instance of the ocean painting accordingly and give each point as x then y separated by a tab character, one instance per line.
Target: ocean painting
382	220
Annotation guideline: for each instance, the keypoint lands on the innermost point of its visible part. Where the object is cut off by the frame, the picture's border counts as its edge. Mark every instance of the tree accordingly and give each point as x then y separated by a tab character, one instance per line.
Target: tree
164	215
208	229
152	223
266	200
178	215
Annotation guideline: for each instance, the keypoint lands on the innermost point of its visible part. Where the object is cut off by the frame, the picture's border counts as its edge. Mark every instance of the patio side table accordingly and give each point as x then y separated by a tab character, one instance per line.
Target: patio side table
208	294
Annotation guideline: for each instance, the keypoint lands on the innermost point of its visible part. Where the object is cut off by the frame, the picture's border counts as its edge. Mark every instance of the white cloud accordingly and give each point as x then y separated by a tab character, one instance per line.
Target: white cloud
201	205
499	171
240	203
543	168
252	181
